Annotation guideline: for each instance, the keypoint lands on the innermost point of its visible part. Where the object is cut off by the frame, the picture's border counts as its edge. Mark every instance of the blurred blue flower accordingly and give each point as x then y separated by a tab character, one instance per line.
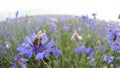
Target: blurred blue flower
108	59
56	52
84	17
53	27
17	13
77	27
21	27
109	35
80	43
94	15
118	66
118	34
17	60
5	32
89	50
80	49
102	48
66	27
113	46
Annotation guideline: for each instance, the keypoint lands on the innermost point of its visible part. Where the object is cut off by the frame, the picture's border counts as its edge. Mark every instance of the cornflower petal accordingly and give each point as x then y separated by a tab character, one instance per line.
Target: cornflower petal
50	44
23	65
118	66
102	48
56	52
44	39
40	56
27	40
14	66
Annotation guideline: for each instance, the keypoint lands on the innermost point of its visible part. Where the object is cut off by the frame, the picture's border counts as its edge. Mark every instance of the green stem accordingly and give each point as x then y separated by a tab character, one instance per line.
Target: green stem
6	59
45	63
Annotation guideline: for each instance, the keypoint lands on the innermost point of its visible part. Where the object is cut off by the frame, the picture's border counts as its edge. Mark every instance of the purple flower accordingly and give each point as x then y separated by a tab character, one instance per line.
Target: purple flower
113	46
118	34
25	49
17	13
39	47
40	55
118	66
56	52
53	27
109	35
84	17
80	49
102	48
17	60
5	32
66	27
112	34
89	50
94	15
108	59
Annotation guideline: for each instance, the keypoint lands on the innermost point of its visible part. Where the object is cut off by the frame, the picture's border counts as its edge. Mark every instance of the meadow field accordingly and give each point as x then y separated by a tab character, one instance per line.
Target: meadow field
59	41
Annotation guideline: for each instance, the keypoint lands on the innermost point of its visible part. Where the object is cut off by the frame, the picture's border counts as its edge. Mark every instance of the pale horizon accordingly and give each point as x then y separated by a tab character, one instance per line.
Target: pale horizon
105	9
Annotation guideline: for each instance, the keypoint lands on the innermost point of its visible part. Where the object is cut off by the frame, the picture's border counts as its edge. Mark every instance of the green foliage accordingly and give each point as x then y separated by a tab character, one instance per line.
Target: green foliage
68	57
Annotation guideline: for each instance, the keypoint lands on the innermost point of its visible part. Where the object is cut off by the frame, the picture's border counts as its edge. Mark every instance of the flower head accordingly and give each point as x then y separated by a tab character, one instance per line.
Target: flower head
37	44
108	59
80	49
17	60
102	48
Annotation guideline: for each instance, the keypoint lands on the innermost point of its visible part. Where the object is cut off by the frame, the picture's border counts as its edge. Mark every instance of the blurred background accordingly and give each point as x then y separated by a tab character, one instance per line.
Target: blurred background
105	9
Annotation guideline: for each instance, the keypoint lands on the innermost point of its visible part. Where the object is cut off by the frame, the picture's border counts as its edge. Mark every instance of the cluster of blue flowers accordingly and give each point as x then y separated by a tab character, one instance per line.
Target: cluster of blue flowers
39	48
98	42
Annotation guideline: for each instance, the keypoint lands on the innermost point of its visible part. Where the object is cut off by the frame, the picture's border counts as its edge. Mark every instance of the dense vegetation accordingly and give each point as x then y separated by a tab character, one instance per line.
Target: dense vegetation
59	42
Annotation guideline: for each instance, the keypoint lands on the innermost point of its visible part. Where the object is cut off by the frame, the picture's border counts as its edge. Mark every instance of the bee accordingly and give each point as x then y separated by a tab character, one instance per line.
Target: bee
38	38
115	37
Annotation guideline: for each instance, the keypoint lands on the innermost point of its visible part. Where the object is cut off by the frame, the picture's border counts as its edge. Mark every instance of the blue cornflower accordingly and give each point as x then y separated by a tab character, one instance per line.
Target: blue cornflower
109	35
17	60
113	46
94	15
80	49
53	27
89	50
118	66
5	32
118	34
102	48
108	59
112	34
38	45
84	17
17	13
66	27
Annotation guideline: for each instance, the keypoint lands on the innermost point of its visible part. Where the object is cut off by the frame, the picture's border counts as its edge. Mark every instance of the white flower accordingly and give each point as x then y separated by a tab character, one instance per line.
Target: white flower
76	36
7	44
